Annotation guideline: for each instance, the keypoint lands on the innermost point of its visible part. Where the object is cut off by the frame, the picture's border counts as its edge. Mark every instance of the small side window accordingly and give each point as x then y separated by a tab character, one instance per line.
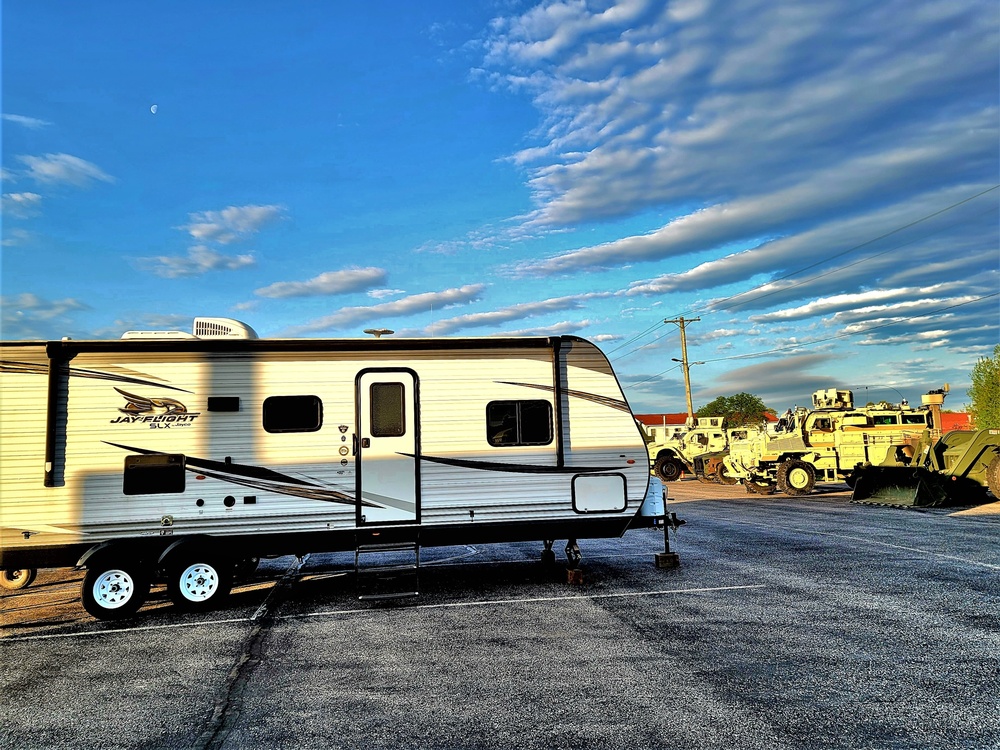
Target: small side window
388	418
511	423
293	414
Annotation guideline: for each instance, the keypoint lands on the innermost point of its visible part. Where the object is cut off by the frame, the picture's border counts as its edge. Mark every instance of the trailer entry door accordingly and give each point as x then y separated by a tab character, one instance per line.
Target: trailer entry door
388	431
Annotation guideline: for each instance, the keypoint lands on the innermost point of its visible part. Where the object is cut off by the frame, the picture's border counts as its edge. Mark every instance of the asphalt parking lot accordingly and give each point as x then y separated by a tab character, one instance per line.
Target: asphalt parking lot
790	623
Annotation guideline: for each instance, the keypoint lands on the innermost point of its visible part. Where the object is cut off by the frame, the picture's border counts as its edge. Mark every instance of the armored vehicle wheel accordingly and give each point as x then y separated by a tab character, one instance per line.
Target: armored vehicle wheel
17	578
724	477
668	468
198	581
795	477
993	476
758	486
114	589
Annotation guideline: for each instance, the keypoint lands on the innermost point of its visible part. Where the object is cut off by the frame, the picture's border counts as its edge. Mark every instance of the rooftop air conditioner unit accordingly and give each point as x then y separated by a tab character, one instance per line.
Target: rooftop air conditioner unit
222	328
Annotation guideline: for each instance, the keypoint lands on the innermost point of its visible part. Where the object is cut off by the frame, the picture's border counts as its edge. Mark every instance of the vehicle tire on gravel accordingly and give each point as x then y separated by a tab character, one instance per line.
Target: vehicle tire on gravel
795	477
17	578
993	476
668	468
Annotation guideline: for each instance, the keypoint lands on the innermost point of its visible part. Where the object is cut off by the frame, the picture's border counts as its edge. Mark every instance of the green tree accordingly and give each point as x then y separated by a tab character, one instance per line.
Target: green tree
985	392
739	411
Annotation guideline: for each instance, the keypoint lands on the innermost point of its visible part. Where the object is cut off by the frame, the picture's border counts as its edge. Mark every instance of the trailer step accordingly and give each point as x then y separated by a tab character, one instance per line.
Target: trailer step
393	574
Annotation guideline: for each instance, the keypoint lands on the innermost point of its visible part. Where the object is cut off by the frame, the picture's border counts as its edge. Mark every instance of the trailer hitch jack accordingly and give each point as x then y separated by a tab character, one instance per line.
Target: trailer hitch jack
668	559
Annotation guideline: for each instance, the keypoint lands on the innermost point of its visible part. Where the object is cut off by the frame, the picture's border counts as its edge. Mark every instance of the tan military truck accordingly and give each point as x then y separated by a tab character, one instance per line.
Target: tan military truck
828	443
671	457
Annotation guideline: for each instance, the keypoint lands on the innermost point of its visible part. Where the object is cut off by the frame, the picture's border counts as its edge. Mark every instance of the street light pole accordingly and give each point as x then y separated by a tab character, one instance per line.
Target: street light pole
682	322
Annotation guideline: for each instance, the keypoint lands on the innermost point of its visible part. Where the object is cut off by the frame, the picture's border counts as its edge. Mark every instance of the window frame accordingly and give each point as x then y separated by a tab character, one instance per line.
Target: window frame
519	423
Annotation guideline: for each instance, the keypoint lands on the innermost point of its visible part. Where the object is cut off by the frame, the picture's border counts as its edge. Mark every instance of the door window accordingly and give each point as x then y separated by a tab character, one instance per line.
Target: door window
388	413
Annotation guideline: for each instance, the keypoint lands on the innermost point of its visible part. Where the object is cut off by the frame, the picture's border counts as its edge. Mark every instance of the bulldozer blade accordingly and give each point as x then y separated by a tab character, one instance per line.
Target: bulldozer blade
900	486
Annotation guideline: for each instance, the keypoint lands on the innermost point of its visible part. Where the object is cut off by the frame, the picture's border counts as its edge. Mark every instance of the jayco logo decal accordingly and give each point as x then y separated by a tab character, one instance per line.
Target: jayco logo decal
156	413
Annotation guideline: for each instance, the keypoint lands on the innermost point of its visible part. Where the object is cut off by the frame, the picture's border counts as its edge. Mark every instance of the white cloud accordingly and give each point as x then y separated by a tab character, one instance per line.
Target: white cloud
63	168
562	328
21	204
29	122
199	260
327	283
862	304
28	316
383	293
348	317
231	223
513	312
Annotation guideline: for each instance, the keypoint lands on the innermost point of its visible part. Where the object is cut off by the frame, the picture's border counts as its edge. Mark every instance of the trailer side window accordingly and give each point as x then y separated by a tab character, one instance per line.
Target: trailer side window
388	415
293	414
519	423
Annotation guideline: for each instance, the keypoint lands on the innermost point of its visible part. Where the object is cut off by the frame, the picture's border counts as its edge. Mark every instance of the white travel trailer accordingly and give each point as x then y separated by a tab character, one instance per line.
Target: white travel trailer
176	454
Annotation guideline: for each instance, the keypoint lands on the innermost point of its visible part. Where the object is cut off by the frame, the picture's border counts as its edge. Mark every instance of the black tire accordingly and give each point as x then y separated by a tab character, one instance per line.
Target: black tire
197	581
993	476
723	476
114	589
668	468
17	578
795	477
758	486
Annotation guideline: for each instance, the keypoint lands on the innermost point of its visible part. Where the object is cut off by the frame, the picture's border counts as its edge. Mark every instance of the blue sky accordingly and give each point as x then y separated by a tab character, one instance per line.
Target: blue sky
816	182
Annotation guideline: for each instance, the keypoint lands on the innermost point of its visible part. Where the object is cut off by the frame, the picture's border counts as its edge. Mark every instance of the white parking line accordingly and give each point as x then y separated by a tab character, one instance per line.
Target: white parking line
876	543
336	613
531	600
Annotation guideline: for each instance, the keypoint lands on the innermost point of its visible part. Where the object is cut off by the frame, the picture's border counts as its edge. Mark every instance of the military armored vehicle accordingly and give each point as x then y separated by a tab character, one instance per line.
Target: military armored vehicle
671	457
825	444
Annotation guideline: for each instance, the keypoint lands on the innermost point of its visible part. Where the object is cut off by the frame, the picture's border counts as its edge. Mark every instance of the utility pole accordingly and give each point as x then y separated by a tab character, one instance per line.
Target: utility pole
682	322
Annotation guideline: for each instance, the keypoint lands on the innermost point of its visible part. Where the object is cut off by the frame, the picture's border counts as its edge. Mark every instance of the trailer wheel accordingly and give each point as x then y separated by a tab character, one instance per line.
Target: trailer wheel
993	476
17	578
795	477
668	468
198	581
114	590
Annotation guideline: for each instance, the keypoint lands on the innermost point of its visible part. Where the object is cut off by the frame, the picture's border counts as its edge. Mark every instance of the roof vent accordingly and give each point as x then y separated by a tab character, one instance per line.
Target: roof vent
157	335
222	328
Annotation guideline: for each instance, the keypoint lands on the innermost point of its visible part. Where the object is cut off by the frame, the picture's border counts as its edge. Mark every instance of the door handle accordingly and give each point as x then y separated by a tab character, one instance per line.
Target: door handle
366	443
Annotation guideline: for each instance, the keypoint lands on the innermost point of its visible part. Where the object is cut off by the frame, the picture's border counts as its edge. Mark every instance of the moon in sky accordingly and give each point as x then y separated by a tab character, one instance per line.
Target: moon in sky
154	108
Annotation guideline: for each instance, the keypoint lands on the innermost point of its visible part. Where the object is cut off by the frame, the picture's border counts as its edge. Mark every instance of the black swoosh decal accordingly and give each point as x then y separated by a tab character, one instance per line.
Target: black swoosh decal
77	372
257	477
512	468
614	403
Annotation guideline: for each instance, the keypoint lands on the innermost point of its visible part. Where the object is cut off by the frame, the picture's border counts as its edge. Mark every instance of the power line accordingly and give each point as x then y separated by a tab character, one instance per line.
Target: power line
850	250
794	347
712	307
897	321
